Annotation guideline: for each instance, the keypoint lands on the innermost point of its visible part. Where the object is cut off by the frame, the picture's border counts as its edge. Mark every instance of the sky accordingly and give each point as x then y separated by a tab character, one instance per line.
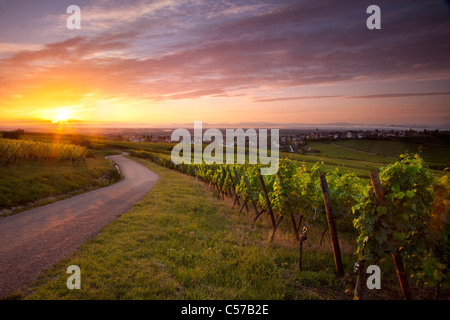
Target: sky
225	63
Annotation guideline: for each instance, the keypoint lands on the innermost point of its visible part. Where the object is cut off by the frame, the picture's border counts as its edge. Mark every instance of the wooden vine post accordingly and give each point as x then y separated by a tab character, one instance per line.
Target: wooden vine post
396	255
250	192
266	196
236	196
303	238
331	226
223	173
359	286
238	183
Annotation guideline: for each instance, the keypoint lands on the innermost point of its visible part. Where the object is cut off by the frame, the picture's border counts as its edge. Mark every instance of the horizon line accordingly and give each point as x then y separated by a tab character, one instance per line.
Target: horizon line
273	125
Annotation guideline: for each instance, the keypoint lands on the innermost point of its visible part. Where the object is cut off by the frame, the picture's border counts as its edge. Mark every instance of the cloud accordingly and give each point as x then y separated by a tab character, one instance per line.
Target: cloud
165	50
373	96
399	95
8	48
104	16
264	99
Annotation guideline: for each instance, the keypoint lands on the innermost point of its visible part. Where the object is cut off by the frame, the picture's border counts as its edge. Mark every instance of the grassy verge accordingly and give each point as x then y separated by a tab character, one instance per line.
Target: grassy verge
363	160
182	242
434	150
31	183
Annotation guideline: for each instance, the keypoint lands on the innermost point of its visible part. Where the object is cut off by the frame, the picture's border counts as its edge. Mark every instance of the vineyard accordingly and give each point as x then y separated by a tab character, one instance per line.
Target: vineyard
403	212
12	150
399	212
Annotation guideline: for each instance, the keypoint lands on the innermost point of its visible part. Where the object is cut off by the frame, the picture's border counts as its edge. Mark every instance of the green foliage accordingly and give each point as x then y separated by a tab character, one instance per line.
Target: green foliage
13	134
404	223
413	220
432	269
249	187
293	190
189	247
284	194
36	183
34	150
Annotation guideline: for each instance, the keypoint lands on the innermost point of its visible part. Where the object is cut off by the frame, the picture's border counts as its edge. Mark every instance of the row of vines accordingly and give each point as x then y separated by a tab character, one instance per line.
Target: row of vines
12	150
403	212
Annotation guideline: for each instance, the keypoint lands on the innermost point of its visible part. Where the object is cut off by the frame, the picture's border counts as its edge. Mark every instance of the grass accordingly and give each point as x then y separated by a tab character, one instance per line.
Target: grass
358	156
32	183
341	151
363	156
434	150
181	242
359	167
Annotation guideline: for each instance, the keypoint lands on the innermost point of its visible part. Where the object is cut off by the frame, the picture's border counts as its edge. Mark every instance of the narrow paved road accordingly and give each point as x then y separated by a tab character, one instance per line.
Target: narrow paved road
34	240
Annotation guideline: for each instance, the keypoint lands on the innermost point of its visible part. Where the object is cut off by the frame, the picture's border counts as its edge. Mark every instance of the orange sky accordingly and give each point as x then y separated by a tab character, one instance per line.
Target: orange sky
276	62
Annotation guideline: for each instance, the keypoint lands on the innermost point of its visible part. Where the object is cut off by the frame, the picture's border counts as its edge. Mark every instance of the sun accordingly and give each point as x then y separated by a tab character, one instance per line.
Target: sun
62	115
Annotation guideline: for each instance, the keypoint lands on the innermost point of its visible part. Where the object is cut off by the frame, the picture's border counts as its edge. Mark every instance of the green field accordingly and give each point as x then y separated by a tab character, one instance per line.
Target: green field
31	183
363	156
348	150
434	150
183	242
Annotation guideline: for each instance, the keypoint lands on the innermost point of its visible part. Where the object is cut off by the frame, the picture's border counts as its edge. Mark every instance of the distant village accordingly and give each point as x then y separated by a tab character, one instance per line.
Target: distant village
297	142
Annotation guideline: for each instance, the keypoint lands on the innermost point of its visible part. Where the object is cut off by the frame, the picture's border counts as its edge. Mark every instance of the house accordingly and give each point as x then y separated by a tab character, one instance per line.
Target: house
391	133
350	135
361	135
334	135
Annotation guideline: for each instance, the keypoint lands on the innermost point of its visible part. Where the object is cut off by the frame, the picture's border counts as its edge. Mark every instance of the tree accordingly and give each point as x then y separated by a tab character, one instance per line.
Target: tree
13	134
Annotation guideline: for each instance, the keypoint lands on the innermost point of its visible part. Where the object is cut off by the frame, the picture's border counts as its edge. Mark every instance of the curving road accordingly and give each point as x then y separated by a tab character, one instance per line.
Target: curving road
34	240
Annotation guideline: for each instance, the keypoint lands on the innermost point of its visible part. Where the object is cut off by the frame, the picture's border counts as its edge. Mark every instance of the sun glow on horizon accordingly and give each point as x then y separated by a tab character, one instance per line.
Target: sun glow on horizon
62	115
